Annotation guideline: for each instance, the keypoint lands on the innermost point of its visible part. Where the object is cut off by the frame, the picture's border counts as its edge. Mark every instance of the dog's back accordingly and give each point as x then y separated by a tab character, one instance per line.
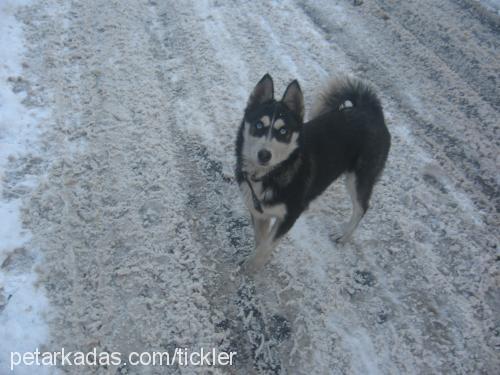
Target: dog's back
347	134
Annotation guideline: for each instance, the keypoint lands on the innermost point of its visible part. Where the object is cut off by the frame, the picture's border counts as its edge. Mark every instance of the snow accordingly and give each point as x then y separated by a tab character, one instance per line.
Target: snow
138	201
491	5
22	304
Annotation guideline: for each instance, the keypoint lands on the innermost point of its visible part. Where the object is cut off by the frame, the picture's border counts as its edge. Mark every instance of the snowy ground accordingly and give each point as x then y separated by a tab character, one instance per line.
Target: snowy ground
22	302
117	129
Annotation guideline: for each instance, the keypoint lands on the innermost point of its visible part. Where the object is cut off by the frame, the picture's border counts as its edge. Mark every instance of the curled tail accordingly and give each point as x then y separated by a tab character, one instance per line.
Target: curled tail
346	94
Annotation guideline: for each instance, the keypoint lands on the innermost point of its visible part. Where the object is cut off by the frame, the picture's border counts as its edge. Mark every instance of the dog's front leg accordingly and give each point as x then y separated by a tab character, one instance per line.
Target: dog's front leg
261	229
264	250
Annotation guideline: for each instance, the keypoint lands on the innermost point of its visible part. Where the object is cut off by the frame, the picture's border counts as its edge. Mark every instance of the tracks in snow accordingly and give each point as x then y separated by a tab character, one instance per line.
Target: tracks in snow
142	227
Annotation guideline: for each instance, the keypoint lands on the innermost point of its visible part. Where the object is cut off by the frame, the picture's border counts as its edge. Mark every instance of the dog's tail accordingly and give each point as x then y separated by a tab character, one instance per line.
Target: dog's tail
346	94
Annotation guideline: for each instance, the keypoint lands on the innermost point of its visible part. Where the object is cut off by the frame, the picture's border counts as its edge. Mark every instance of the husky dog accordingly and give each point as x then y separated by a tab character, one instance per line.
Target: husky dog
283	164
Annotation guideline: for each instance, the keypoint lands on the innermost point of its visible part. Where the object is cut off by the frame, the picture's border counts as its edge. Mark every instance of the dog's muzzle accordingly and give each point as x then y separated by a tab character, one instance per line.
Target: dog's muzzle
264	156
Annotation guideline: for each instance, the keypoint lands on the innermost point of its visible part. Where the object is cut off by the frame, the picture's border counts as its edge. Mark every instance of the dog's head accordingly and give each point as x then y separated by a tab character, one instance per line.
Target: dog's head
271	128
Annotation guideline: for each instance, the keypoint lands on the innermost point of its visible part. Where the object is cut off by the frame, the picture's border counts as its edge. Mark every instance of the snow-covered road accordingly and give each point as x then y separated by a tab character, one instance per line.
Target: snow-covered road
139	227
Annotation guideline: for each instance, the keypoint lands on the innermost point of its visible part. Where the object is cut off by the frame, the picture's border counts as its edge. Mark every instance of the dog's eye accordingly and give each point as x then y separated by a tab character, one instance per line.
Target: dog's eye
283	131
259	125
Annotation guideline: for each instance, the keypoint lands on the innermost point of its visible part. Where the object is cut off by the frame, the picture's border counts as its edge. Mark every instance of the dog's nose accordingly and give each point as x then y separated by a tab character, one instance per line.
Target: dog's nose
264	156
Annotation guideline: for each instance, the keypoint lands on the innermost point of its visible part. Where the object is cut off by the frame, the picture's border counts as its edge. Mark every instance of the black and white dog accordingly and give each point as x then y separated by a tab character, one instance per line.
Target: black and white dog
283	164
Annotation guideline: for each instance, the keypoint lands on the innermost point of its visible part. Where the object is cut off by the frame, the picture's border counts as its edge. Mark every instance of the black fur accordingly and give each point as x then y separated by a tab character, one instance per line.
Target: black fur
353	139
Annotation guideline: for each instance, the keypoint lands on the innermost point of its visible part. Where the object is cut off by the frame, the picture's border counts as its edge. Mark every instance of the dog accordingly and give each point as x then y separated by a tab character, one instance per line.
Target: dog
282	164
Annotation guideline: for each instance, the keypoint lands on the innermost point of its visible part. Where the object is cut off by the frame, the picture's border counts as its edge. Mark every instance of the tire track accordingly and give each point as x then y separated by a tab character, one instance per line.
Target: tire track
244	324
466	48
451	110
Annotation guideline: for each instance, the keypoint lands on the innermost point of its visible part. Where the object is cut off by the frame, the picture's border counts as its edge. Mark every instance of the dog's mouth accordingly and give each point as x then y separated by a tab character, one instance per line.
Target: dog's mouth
256	170
254	166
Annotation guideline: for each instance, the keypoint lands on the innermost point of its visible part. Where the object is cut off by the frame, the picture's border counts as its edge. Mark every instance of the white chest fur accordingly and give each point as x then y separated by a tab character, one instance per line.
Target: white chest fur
268	211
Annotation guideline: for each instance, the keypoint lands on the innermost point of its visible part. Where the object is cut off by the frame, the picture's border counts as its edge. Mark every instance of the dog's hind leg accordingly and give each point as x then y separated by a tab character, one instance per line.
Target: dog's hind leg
361	181
359	200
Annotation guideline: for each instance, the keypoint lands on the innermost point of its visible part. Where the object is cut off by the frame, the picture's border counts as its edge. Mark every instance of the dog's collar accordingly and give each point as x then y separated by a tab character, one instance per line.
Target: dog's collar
256	203
257	179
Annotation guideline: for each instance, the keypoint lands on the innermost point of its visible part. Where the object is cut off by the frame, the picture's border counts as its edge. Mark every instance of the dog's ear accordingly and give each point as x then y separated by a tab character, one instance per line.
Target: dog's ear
294	99
263	92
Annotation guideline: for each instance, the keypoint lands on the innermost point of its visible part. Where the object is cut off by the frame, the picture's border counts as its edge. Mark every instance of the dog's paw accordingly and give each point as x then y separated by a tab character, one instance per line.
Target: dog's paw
342	240
339	236
251	267
338	239
336	235
253	264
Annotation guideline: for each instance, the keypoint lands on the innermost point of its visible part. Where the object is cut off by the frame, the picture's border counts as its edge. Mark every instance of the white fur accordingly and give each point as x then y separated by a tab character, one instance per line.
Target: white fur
269	211
278	124
263	250
265	223
280	151
266	121
357	210
346	104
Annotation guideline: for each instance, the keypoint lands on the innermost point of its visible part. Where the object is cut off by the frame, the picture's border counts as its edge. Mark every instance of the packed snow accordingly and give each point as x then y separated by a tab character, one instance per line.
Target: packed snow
22	301
121	227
